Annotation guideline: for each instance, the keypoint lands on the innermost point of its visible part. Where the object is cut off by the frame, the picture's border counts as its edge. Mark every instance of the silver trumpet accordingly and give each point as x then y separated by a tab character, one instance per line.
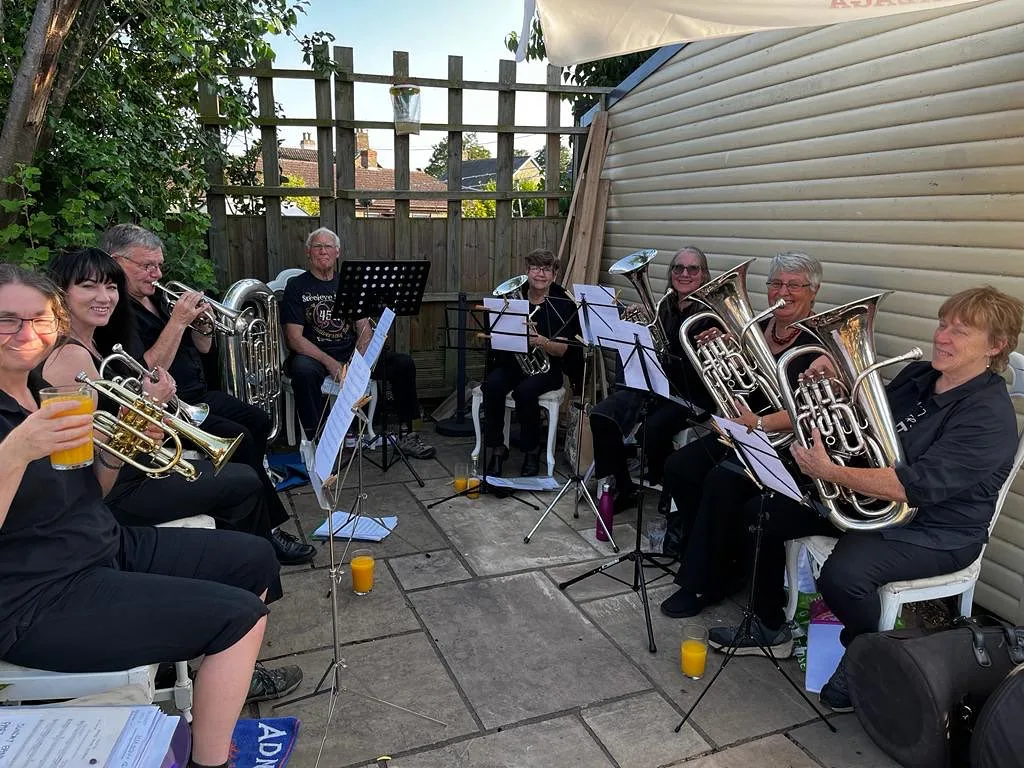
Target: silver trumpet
217	318
196	414
128	441
850	410
733	357
634	268
536	360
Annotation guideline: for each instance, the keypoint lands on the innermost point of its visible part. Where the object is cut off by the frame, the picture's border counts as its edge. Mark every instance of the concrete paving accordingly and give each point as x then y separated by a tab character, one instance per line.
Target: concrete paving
467	654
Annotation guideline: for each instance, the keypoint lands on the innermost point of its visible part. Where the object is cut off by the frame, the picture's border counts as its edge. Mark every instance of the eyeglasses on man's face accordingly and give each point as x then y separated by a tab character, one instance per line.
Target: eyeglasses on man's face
544	270
11	325
149	267
323	247
792	286
686	269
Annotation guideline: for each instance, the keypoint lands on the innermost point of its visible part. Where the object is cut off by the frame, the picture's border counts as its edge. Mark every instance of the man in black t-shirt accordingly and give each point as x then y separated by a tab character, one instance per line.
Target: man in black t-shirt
321	345
172	344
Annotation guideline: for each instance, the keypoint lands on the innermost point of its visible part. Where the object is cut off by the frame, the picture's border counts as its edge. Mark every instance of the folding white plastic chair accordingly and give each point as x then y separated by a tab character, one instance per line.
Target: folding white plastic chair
551	401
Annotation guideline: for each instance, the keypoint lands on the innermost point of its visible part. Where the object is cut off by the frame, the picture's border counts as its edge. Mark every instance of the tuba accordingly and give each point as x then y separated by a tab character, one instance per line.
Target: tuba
251	347
634	268
127	438
850	410
536	360
196	414
733	357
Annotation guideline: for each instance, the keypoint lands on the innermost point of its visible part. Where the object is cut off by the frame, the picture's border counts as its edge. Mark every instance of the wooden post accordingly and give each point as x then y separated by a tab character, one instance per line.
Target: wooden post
453	251
325	149
217	241
552	148
502	269
403	235
271	172
345	165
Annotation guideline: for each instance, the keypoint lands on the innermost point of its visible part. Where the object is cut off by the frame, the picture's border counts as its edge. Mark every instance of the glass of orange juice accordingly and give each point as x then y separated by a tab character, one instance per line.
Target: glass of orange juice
361	565
693	651
461	480
85	398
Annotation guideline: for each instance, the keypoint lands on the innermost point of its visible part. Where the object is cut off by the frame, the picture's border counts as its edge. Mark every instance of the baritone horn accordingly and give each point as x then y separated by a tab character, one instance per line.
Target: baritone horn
127	438
732	356
849	409
634	268
196	414
536	360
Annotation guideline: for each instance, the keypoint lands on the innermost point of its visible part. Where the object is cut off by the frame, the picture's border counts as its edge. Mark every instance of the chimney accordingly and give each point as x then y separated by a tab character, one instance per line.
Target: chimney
307	142
362	141
368	158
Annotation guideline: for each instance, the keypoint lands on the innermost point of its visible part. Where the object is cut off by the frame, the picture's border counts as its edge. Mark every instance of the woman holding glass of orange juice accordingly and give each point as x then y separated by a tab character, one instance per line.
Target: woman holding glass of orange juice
79	592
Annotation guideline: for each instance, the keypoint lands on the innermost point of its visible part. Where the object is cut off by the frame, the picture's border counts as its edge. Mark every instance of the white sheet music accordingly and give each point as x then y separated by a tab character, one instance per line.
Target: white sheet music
356	381
764	459
380	335
622	338
508	324
601	310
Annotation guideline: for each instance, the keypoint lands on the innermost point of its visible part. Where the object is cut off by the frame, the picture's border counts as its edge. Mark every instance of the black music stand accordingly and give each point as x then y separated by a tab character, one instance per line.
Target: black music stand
762	478
482	328
638	557
366	289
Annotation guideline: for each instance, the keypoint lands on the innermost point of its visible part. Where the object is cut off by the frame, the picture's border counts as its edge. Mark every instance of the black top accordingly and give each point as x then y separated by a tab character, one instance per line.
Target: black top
682	376
556	318
309	301
57	526
187	366
958	449
800	363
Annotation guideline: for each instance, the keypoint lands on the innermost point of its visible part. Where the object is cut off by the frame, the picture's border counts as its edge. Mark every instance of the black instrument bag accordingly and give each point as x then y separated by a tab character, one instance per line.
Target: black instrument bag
998	738
917	693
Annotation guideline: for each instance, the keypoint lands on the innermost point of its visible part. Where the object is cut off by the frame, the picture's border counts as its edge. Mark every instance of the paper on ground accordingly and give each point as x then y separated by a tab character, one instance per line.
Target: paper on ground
508	324
525	483
362	528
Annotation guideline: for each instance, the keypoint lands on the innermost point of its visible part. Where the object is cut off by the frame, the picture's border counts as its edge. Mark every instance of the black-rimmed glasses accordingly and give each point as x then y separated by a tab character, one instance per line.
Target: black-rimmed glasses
10	325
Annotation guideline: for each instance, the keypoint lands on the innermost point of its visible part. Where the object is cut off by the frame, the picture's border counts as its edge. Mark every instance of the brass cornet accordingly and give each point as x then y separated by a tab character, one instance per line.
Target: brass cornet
127	438
216	319
196	414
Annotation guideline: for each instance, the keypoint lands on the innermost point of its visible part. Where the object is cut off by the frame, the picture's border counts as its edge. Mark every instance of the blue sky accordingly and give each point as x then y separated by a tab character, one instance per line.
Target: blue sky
430	31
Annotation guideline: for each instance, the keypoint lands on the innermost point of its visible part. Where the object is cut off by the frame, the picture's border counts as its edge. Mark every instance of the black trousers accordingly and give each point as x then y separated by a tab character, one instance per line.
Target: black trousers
861	562
234	498
613	418
308	375
710	498
526	392
230	417
172	595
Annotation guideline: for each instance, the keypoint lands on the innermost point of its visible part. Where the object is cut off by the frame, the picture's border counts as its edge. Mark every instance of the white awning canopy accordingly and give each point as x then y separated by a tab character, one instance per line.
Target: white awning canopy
585	30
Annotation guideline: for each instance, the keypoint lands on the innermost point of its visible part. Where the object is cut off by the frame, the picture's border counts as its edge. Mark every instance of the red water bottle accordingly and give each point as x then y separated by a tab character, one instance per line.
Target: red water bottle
606	510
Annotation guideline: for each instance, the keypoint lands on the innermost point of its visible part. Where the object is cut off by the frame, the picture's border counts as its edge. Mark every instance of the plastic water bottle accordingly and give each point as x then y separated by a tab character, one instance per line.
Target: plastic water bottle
606	509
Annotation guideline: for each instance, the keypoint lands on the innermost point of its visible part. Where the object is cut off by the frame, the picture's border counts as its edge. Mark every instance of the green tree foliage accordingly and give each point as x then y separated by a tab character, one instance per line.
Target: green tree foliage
309	205
564	175
601	73
112	133
471	150
521	207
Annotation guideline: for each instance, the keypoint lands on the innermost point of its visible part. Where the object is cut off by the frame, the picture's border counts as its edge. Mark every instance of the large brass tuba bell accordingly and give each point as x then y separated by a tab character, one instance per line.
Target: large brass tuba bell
850	410
733	357
634	268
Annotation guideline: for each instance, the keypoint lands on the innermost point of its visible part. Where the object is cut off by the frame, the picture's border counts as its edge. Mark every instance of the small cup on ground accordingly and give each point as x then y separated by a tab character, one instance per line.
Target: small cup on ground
656	528
693	651
361	565
461	480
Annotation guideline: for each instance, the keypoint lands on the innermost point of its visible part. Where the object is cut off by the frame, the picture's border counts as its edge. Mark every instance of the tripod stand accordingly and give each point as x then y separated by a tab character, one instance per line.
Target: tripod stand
336	664
745	629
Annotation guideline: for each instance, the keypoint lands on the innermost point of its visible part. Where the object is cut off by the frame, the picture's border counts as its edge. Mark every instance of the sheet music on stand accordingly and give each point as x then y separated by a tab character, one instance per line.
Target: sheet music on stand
764	459
631	340
507	323
380	335
340	418
600	310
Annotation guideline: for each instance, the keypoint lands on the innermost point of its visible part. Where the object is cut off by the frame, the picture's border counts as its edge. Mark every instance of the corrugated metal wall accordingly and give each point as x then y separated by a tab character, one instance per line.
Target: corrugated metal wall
889	149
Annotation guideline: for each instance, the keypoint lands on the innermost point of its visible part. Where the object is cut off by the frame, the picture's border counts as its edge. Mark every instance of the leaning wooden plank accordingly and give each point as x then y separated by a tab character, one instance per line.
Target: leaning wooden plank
585	220
597	234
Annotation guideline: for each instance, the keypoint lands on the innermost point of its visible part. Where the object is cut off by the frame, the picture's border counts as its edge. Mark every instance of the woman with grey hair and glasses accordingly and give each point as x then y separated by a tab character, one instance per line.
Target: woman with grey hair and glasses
706	530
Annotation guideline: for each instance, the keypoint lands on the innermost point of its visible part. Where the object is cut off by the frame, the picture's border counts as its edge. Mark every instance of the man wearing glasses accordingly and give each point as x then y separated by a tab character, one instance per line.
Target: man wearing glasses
321	345
615	416
171	343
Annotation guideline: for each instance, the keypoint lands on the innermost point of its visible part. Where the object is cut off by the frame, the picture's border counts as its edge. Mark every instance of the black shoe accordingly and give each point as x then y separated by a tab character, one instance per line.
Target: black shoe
779	641
685	604
269	684
531	463
289	550
498	456
835	694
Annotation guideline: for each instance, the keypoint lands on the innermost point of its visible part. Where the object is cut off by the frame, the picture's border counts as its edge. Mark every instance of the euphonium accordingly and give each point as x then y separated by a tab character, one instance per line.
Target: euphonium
634	268
733	357
536	360
251	353
127	439
196	414
850	410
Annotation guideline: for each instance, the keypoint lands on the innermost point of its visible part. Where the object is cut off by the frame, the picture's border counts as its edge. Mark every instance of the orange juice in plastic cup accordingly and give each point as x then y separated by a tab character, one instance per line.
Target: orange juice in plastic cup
361	565
461	480
85	397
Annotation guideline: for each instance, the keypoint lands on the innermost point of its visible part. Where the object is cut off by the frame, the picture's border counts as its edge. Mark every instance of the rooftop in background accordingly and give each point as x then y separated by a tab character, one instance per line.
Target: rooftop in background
476	173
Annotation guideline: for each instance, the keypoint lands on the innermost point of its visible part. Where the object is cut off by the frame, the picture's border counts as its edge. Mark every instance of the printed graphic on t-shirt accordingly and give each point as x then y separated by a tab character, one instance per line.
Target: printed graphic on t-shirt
319	317
916	413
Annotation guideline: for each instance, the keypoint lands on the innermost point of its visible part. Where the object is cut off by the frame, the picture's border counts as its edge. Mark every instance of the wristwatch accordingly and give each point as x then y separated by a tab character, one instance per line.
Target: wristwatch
759	426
